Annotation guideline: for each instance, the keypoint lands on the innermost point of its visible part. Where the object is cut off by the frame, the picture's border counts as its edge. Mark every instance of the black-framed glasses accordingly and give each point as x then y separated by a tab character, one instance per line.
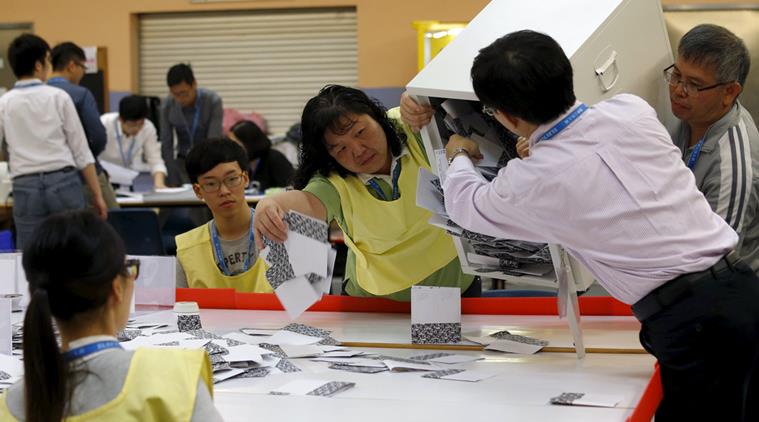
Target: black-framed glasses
689	88
230	182
132	268
488	111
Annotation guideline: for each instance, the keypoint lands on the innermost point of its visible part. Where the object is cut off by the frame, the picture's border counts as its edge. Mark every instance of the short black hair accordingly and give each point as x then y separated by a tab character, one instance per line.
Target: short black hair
525	74
206	155
254	140
327	110
715	46
133	107
180	73
64	53
25	51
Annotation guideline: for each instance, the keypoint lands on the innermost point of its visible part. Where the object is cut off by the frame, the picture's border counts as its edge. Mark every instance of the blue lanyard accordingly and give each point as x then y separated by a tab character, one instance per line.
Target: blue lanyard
396	175
220	255
27	86
195	119
696	152
127	159
91	348
577	112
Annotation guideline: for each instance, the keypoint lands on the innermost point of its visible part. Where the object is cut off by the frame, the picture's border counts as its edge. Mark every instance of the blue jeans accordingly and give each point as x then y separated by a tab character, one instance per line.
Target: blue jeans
37	196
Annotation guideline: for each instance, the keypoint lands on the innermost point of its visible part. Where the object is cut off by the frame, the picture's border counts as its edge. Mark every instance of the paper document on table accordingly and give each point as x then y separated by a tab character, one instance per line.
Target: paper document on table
288	337
583	399
11	369
460	375
119	175
304	387
435	314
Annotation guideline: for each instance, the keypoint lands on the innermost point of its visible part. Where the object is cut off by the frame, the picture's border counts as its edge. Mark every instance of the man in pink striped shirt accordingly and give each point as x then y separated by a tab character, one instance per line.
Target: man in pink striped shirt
607	183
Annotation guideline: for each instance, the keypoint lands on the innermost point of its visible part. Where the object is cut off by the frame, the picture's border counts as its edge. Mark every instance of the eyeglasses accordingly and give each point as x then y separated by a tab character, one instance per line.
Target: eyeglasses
488	111
82	65
132	268
689	88
213	185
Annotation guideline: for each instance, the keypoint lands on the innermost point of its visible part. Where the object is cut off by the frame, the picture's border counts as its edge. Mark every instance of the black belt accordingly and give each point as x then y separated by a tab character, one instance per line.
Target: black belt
45	173
677	288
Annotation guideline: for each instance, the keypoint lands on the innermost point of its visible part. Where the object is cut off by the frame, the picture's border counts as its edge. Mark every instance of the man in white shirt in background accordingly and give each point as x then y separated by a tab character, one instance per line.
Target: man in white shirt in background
46	142
133	140
607	183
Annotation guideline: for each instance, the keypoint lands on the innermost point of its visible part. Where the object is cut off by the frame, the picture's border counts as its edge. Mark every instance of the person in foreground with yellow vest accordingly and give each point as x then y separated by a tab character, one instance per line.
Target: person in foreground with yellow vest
358	166
222	253
78	277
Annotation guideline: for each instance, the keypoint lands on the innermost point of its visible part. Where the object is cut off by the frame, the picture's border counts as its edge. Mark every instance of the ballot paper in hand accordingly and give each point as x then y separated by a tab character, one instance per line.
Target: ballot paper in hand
300	268
435	315
119	175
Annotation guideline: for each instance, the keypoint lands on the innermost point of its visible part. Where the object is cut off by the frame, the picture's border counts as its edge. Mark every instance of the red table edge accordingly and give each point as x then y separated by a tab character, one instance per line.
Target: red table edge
229	299
589	305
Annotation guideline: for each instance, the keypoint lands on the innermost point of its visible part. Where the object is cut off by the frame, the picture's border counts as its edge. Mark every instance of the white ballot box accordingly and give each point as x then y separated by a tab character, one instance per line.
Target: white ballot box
615	46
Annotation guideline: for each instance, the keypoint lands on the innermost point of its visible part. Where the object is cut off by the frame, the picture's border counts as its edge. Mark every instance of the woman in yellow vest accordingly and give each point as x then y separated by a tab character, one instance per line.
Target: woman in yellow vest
79	279
359	165
221	253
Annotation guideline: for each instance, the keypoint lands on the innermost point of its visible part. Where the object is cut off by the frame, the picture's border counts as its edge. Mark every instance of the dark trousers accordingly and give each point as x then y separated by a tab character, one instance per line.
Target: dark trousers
707	344
37	196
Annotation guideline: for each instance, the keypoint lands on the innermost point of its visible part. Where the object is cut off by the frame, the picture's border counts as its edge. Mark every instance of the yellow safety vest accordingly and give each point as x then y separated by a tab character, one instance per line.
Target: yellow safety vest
394	245
161	385
195	253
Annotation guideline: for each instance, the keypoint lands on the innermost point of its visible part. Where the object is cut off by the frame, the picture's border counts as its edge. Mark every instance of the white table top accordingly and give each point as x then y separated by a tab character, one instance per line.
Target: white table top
519	392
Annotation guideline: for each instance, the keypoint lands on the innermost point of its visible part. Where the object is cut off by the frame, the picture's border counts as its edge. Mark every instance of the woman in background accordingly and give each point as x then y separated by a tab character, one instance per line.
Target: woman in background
79	279
268	167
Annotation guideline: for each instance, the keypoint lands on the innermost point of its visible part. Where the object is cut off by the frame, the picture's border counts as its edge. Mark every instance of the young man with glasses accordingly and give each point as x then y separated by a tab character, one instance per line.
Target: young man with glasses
68	70
716	134
221	253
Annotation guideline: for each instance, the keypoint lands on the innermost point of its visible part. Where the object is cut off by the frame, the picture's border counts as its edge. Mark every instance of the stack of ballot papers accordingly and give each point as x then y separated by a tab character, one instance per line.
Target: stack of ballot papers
498	146
491	254
300	269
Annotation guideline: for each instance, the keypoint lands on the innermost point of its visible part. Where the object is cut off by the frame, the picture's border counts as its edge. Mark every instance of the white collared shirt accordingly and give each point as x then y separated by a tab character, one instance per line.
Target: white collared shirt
42	129
611	188
134	148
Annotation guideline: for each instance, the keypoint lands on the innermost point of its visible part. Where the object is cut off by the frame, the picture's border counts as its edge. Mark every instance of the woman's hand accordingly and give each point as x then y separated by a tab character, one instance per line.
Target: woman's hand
414	115
269	221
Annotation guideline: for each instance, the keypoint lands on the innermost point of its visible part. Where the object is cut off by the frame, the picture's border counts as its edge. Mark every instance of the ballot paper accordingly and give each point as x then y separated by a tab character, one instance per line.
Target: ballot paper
446	358
583	399
11	370
6	328
305	387
119	175
427	196
300	269
403	365
435	315
156	284
460	375
511	346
